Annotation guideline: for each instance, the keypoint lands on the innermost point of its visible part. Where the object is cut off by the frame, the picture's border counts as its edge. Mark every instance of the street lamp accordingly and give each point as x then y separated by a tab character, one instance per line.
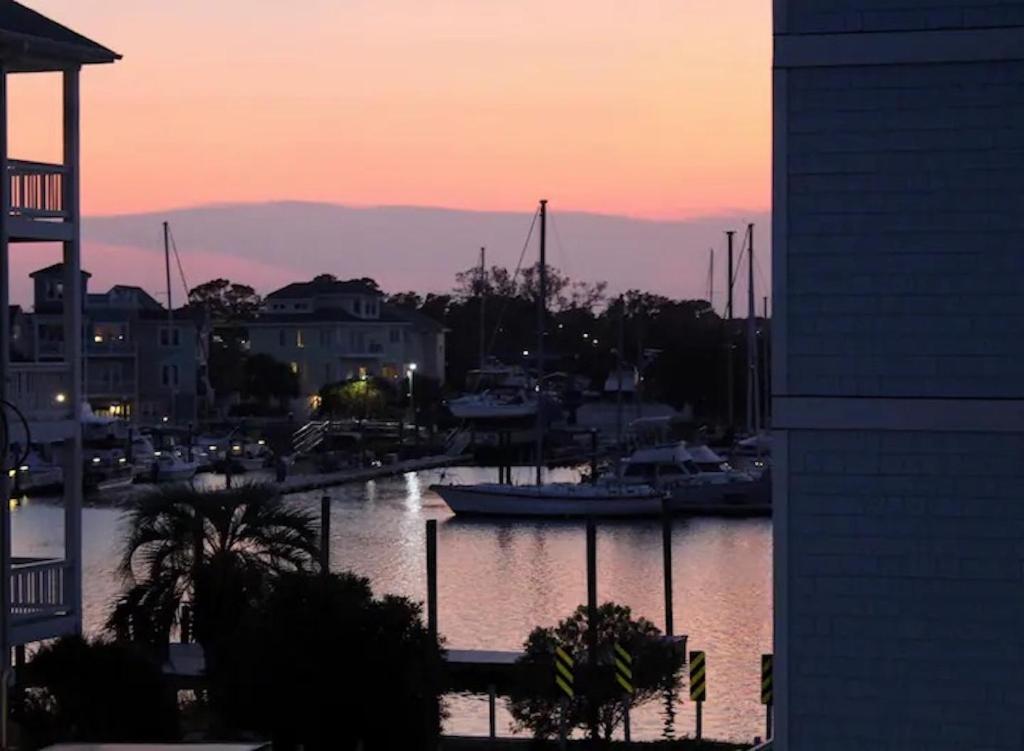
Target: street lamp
412	395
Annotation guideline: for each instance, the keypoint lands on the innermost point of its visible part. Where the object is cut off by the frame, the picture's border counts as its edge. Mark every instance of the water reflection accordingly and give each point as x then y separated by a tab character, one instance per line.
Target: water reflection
499	579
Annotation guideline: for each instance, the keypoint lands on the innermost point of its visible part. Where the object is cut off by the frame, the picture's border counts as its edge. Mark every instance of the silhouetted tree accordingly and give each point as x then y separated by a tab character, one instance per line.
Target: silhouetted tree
323	664
268	379
539	705
100	692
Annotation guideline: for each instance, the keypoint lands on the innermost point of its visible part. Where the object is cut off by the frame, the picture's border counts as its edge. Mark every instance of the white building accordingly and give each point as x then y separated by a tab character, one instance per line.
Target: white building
329	331
899	374
41	599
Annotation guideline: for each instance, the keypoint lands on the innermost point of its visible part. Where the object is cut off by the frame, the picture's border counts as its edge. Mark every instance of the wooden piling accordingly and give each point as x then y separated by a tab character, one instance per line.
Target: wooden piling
432	578
325	535
666	553
592	614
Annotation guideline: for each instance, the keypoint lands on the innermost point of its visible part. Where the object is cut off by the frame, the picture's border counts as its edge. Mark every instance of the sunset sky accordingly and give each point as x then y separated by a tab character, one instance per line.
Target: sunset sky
650	109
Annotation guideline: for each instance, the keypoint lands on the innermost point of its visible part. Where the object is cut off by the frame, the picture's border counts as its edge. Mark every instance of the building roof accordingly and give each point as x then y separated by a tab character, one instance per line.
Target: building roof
29	41
317	287
54	270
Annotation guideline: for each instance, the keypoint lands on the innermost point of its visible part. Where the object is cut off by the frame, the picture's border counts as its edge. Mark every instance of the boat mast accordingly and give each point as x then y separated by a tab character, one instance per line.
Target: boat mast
170	310
542	293
730	378
481	291
753	396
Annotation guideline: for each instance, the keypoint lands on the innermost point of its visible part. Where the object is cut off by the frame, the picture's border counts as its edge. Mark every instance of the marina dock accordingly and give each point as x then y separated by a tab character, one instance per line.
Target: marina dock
305	482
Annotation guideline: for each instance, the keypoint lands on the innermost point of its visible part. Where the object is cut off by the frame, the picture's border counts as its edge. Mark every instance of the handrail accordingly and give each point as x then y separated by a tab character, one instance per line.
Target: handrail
36	189
37	589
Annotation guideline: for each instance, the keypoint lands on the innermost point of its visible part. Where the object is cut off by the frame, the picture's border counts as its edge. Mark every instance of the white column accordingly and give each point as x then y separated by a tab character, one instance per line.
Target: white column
73	301
5	370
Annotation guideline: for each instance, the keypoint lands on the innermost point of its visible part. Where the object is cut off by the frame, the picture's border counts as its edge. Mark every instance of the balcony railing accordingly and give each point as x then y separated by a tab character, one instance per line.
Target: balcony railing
37	189
37	588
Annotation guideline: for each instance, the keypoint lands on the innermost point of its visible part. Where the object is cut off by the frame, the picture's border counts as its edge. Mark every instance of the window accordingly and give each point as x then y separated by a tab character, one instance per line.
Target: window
170	337
170	375
299	342
357	306
358	341
54	290
295	368
277	306
328	372
326	337
281	337
395	336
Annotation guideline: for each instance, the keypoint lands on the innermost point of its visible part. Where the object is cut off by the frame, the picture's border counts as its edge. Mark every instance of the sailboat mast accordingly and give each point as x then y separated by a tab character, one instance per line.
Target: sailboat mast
482	291
542	294
730	378
753	395
170	311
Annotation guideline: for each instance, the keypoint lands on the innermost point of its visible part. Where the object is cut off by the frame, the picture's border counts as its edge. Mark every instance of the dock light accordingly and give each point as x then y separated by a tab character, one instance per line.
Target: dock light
95	460
23	468
261	442
165	418
213	448
61	398
98	339
158	453
595	342
526	353
413	366
122	460
236	447
10	473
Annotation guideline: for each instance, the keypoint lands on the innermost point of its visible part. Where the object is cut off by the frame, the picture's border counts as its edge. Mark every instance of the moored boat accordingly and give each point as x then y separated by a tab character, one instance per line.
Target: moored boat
552	500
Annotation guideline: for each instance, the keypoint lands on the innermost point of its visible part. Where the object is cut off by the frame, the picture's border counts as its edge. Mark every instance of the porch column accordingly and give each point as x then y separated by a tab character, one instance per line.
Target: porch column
73	302
5	375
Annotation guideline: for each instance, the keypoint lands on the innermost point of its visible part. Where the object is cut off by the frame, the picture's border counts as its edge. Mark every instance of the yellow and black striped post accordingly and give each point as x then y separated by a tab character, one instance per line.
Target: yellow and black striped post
698	688
563	672
624	677
767	691
565	681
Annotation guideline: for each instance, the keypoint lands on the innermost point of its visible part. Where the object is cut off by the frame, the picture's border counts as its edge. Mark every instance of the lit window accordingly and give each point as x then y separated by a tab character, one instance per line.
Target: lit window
298	339
295	368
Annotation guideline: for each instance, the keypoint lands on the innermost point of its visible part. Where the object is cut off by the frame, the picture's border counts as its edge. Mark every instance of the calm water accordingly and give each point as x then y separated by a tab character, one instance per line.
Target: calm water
497	580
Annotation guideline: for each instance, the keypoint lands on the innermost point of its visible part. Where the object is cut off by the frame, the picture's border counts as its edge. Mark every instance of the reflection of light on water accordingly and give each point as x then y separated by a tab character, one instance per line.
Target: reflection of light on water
413	491
499	579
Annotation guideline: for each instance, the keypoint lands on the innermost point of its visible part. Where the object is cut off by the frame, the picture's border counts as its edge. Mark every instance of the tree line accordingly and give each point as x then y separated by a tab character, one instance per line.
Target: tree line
683	346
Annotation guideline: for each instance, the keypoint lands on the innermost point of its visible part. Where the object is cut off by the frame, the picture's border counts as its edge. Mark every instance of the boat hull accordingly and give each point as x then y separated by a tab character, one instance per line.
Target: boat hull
548	501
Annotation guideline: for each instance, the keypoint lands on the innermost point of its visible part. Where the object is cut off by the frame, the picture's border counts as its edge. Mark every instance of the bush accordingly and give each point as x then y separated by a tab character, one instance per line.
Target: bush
101	692
539	705
323	664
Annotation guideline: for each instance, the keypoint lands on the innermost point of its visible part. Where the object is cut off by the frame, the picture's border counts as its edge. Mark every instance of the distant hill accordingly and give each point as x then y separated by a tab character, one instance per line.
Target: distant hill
270	244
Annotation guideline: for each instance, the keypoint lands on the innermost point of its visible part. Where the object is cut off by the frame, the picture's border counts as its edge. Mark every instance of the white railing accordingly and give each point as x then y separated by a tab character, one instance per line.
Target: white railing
37	588
37	189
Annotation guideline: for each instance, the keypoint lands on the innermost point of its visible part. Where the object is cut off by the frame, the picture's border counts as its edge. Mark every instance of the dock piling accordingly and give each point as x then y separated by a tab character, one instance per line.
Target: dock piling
325	535
592	612
432	578
666	547
492	701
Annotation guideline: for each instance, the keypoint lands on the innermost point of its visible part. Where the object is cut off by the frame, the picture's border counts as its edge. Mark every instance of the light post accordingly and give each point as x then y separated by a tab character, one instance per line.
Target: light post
411	372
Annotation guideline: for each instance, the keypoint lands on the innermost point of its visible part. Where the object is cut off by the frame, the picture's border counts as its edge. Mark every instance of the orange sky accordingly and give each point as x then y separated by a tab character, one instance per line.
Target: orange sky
649	108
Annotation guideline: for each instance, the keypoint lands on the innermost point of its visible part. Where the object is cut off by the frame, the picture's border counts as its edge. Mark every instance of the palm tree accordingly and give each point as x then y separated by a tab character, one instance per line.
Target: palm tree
215	550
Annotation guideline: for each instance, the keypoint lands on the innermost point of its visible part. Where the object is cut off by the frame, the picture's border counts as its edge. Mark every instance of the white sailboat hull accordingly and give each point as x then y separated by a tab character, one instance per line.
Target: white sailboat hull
558	500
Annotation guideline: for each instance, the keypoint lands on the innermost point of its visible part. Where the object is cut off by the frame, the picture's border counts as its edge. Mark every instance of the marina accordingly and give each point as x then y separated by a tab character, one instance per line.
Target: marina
499	579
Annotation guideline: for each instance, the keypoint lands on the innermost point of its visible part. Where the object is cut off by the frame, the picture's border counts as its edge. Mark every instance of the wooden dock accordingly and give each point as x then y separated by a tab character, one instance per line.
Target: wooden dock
301	483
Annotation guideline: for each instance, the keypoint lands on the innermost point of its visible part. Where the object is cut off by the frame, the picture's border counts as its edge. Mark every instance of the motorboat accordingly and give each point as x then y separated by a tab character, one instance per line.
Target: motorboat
36	475
251	456
696	479
499	403
107	470
143	454
552	500
170	466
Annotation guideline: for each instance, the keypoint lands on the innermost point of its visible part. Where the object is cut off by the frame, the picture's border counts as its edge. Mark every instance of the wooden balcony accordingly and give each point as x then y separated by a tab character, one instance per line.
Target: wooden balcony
38	212
39	600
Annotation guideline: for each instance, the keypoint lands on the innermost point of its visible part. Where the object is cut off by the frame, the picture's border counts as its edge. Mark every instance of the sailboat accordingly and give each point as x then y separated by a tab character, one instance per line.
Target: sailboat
554	499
